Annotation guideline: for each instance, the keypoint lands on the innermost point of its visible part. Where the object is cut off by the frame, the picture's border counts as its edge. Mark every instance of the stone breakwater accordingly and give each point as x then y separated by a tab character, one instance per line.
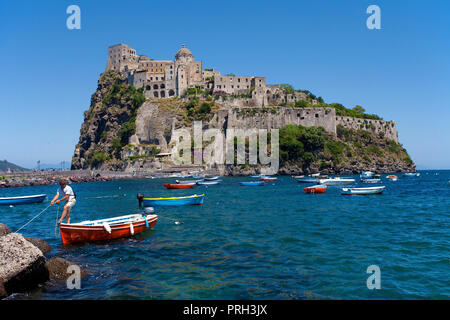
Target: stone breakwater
24	266
39	178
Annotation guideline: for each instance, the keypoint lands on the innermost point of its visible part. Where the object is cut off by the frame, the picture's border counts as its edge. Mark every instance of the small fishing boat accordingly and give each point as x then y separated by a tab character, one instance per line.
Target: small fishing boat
366	174
307	180
392	177
411	174
297	177
337	180
252	183
179	186
257	176
267	179
12	201
370	180
316	189
363	191
208	183
106	229
174	201
211	178
187	181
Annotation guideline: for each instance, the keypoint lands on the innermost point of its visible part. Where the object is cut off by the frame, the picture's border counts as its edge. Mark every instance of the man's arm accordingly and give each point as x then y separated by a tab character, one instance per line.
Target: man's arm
63	198
54	199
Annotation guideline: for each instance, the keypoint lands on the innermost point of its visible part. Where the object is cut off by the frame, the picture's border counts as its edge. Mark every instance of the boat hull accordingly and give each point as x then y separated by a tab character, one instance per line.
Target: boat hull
370	180
252	184
8	201
307	180
267	179
208	183
72	233
337	181
179	186
362	191
174	201
316	189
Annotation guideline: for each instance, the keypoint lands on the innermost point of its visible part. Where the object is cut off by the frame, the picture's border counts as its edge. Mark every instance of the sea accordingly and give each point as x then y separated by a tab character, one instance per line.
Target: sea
270	242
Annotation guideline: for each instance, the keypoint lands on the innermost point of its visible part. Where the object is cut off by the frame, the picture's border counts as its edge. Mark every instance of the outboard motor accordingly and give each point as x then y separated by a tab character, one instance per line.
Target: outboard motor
148	210
140	198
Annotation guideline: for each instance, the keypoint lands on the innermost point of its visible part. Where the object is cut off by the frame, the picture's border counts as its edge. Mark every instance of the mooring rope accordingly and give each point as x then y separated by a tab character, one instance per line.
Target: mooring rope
56	221
32	219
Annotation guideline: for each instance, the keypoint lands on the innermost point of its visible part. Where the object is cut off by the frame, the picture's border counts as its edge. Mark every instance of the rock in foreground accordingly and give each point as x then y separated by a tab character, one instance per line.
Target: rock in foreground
22	265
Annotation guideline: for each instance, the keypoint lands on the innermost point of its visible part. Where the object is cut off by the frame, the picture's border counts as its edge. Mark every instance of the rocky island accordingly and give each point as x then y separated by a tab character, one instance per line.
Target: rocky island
141	103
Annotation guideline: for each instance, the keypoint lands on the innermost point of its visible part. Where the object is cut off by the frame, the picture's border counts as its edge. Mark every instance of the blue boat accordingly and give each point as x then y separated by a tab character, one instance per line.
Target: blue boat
252	183
174	201
308	180
12	201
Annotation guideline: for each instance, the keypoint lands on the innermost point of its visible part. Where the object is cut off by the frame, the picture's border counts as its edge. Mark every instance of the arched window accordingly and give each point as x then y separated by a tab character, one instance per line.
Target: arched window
155	87
147	88
171	93
162	86
155	93
163	94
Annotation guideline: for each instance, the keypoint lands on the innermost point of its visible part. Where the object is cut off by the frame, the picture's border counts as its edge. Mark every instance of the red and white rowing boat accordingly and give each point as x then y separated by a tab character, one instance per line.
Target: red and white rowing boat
316	189
179	185
106	229
267	179
298	177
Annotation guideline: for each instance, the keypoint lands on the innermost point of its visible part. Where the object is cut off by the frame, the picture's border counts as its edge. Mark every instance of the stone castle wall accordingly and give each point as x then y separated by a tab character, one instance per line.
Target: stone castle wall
387	128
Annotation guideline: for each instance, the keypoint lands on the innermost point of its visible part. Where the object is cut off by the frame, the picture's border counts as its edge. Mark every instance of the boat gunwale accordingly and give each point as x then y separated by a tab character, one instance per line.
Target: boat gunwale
177	198
23	197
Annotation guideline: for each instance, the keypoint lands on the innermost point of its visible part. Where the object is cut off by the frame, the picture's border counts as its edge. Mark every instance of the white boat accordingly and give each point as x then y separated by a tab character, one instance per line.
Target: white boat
337	180
411	174
366	174
211	178
208	183
370	180
363	191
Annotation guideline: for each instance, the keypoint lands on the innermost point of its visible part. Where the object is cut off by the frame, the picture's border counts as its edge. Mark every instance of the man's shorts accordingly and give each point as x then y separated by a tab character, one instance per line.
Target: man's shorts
71	203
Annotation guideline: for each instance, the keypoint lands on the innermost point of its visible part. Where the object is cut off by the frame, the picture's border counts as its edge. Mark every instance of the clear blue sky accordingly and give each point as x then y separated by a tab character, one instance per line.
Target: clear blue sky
401	72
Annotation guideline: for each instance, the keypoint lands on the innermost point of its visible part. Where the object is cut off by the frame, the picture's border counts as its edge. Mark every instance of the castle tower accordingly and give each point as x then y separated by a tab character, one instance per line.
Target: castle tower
122	57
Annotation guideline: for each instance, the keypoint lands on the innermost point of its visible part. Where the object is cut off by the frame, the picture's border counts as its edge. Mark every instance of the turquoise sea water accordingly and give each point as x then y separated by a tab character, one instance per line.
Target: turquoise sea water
271	242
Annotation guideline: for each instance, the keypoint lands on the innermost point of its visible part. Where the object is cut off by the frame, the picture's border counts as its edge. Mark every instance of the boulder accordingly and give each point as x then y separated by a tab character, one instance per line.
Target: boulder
22	265
4	230
40	244
57	268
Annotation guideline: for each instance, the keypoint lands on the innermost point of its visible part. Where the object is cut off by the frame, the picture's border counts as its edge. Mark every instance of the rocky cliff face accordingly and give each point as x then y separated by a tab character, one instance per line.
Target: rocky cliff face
124	131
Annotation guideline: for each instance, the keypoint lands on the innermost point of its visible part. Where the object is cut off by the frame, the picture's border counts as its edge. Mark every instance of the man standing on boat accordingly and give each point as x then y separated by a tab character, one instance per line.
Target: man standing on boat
67	195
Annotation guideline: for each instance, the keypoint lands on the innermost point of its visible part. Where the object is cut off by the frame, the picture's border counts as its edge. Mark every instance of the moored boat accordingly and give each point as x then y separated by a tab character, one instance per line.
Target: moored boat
106	229
316	189
297	177
411	174
366	174
337	180
363	191
179	185
267	179
211	178
252	183
12	201
208	183
174	201
307	180
392	177
370	180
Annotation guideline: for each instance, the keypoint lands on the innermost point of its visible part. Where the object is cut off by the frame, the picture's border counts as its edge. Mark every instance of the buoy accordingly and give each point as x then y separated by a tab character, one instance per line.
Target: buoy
106	226
131	229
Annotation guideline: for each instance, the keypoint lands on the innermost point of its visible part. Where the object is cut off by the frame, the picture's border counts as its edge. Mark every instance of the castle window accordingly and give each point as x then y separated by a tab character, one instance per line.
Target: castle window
232	87
317	115
155	94
147	88
156	78
171	93
163	94
162	86
155	87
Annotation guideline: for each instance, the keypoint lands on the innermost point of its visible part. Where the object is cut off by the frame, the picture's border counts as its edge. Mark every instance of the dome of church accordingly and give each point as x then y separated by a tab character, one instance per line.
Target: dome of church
183	52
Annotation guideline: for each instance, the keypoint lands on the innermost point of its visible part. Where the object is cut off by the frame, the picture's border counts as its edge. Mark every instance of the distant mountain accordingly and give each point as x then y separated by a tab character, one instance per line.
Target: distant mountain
5	165
56	166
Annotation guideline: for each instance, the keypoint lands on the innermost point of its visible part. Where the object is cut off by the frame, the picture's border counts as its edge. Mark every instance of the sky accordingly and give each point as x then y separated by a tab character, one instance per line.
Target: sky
400	72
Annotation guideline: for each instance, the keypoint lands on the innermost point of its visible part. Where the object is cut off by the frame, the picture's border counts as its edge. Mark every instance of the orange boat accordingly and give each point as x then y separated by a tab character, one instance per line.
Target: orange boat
106	229
298	177
267	179
316	189
179	186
